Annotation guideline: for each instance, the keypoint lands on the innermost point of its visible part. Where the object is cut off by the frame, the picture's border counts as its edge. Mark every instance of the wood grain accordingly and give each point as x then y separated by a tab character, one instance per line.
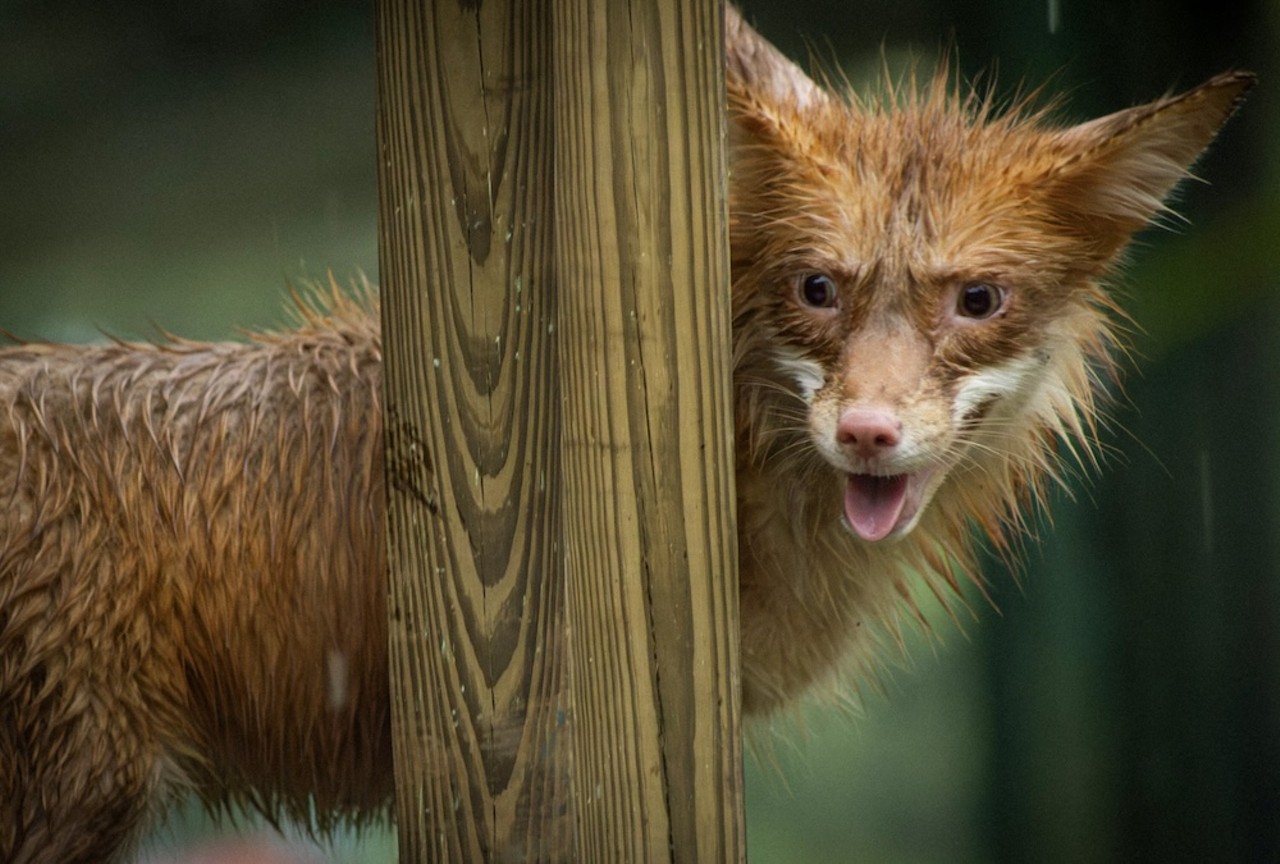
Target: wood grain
465	160
646	447
563	595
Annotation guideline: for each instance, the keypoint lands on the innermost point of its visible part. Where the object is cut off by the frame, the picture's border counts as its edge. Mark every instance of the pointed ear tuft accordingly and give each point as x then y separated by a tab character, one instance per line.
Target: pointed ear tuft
1117	171
753	65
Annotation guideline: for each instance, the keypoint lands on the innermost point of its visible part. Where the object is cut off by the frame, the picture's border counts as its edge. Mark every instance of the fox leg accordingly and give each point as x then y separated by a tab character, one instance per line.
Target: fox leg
75	783
79	761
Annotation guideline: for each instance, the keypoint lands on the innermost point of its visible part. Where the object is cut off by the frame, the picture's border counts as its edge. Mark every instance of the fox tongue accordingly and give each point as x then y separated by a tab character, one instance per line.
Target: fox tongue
873	504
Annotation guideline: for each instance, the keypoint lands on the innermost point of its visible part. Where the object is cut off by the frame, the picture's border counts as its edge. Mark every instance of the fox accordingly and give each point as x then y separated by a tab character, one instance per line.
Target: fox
192	533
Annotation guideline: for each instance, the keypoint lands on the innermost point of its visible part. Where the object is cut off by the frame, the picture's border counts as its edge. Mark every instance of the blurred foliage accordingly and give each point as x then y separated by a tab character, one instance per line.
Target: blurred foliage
172	165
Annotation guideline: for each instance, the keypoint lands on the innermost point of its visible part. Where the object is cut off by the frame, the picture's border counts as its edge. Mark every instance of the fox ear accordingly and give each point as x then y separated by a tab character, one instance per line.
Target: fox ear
754	66
1116	171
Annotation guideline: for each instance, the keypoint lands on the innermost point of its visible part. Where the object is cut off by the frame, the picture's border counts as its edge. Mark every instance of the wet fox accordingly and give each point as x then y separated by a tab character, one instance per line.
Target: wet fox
919	327
191	533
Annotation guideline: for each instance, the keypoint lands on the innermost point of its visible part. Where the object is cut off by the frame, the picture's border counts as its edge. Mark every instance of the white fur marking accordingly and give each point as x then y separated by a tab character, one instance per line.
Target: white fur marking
1014	379
808	375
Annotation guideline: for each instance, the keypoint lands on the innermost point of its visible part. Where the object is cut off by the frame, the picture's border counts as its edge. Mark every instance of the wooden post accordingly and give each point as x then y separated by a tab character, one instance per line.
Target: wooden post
650	570
563	581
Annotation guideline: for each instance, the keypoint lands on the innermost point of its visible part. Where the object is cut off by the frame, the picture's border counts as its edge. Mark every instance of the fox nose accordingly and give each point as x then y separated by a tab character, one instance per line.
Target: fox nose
868	432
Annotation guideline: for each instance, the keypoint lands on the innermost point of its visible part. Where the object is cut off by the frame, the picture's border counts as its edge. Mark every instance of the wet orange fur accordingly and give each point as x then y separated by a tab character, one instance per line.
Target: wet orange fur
191	550
191	582
901	197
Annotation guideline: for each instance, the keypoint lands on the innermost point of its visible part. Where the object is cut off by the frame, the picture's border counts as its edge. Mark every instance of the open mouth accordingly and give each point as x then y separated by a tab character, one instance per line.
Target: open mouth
876	506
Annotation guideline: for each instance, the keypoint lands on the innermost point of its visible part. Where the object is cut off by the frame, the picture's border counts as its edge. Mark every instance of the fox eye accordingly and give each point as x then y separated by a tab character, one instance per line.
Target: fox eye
818	290
979	300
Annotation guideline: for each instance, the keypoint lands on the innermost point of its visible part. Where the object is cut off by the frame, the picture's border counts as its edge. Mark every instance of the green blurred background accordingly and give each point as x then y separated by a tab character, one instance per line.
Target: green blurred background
173	165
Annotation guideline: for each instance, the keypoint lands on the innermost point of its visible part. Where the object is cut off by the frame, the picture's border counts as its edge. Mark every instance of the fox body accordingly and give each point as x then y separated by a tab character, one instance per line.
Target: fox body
165	626
191	547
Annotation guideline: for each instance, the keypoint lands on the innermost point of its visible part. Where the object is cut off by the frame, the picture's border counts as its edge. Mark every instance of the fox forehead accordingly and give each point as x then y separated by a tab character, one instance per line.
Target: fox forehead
920	192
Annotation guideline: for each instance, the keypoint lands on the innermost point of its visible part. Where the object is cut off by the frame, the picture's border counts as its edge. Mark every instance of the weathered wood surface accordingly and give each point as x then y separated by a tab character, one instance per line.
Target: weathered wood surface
563	593
642	260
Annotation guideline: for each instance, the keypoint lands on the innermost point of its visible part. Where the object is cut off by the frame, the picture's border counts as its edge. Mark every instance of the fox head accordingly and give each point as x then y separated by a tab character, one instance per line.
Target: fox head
916	284
920	328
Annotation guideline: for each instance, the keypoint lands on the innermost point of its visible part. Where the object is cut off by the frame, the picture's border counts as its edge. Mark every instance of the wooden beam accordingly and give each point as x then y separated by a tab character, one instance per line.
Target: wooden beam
560	517
642	261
